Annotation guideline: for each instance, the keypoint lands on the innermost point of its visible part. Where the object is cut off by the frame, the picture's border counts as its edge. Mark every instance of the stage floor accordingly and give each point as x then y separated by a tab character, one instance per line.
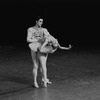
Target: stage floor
75	75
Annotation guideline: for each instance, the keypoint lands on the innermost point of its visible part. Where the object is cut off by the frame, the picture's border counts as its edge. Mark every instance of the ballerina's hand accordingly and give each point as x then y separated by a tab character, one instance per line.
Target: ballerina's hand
69	46
66	48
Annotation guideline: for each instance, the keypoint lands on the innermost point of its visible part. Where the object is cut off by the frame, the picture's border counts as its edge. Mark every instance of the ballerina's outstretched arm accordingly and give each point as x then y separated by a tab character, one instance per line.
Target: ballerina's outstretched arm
64	48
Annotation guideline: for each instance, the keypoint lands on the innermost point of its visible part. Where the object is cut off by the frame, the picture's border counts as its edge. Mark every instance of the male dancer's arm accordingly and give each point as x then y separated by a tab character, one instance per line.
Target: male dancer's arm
30	37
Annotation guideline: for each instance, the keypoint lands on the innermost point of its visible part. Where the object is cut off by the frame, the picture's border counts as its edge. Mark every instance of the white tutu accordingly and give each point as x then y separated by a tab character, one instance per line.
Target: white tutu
35	46
48	49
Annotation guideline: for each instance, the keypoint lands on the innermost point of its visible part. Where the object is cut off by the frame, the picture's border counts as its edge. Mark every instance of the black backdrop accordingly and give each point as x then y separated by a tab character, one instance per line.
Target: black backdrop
69	21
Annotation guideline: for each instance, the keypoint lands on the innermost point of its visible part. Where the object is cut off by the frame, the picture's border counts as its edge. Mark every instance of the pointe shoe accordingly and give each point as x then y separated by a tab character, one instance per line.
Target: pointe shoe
49	82
35	85
45	82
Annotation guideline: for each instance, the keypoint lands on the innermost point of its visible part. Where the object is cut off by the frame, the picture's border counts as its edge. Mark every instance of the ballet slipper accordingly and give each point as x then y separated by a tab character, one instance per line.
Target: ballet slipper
36	85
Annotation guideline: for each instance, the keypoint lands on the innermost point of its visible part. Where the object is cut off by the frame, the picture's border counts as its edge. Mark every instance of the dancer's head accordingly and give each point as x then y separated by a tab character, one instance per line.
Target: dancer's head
39	21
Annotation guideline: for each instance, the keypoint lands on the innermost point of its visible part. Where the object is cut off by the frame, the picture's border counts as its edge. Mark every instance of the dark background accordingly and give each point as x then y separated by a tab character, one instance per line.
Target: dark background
71	22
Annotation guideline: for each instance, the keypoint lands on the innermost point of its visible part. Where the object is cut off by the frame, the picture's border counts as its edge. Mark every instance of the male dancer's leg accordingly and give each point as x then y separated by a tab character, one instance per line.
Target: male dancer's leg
35	67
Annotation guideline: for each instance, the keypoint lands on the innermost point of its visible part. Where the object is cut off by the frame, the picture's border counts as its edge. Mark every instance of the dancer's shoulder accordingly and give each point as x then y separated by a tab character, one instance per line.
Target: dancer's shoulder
44	29
31	29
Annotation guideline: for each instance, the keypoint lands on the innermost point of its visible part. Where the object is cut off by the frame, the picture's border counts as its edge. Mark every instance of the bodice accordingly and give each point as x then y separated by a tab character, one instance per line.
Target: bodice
38	34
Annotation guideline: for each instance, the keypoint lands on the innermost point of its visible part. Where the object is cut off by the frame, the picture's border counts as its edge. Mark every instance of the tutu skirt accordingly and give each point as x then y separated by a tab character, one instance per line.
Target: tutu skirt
48	49
36	46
